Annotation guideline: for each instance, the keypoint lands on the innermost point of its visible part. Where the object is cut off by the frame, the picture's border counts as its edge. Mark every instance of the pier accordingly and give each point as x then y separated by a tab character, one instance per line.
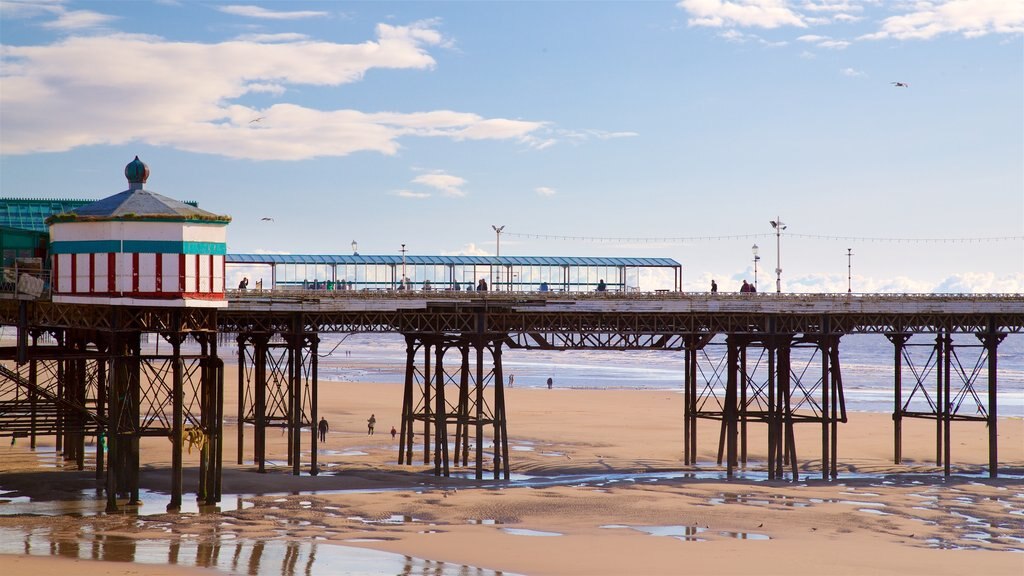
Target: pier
78	370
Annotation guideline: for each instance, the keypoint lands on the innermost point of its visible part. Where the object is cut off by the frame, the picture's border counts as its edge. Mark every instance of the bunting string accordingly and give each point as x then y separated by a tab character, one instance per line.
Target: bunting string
718	238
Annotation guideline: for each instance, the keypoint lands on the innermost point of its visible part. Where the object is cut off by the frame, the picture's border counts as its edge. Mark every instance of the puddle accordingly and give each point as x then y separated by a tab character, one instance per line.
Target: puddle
875	511
527	532
393	520
685	533
150	503
745	535
253	557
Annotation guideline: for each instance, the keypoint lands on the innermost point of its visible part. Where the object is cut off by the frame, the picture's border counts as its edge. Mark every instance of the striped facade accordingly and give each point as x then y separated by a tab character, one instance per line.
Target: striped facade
157	263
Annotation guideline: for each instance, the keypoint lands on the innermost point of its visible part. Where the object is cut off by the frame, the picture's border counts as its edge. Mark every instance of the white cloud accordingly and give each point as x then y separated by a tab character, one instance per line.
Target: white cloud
966	283
470	249
834	44
263	13
756	13
545	191
78	19
812	38
971	18
921	19
269	38
411	194
853	73
447	184
79	92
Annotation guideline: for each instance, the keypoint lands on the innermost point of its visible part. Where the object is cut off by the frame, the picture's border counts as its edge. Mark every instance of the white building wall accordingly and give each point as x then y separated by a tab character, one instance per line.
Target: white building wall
64	272
125	267
190	273
170	272
218	274
147	272
102	272
82	273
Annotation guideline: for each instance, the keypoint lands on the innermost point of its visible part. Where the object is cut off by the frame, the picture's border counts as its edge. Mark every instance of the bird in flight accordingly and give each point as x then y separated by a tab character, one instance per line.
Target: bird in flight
267	219
256	119
900	84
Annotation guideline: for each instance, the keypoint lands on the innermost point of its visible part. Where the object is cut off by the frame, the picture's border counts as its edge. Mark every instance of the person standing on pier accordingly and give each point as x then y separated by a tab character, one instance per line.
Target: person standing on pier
481	286
601	286
745	288
322	427
369	425
714	287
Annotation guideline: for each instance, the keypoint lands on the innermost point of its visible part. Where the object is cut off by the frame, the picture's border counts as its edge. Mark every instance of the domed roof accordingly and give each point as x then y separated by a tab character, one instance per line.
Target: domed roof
138	204
136	171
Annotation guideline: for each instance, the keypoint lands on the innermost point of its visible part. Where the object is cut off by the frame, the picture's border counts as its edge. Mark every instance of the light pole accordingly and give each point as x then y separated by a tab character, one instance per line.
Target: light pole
355	248
779	226
849	270
497	250
756	260
402	284
497	232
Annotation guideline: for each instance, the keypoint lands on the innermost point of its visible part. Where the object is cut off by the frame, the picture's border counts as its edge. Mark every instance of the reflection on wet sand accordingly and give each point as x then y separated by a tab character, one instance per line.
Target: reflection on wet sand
252	557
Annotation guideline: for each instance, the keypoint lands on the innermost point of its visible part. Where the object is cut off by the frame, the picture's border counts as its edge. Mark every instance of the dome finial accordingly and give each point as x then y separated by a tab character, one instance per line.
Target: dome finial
137	173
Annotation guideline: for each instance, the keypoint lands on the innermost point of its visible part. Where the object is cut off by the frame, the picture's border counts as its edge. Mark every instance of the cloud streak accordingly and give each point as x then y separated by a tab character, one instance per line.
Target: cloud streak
80	91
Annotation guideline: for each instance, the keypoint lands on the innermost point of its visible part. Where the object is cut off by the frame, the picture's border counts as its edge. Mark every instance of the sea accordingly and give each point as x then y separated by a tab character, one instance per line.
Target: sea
866	367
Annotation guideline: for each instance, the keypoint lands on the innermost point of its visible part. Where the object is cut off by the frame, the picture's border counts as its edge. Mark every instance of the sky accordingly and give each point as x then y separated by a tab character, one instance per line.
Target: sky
635	129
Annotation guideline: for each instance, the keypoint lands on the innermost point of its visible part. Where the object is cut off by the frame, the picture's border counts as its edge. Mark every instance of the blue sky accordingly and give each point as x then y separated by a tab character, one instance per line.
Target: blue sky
638	128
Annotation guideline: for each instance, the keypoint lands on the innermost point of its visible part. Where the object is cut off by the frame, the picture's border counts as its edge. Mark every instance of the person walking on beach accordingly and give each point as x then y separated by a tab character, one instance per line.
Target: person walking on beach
369	425
481	286
550	383
322	427
393	432
714	287
511	379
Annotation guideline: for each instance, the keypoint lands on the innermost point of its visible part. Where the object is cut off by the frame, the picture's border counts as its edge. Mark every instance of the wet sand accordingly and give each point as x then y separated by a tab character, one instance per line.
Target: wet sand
599	488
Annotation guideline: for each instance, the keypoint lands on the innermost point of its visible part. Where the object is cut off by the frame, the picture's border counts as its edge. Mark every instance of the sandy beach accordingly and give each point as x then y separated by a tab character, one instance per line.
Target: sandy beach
630	506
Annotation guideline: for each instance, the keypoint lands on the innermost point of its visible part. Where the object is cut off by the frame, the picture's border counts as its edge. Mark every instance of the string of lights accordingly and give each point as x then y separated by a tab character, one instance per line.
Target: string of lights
717	238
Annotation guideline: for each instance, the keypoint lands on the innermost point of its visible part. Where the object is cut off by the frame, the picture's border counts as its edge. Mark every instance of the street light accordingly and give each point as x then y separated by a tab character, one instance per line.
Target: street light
402	284
779	226
756	259
497	232
355	248
849	270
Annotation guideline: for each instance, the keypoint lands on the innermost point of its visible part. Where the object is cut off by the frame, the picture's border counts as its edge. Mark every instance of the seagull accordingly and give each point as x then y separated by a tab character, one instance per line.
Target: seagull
256	119
900	84
266	219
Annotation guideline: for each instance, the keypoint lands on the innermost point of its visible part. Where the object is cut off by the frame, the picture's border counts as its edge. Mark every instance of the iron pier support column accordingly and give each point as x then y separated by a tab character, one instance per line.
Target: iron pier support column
729	412
501	465
441	464
427	415
259	389
940	365
991	341
177	406
408	421
899	340
242	339
314	365
947	404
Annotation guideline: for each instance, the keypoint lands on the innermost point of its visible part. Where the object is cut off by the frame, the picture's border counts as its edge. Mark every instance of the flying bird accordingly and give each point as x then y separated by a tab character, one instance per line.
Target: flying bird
900	84
256	119
267	219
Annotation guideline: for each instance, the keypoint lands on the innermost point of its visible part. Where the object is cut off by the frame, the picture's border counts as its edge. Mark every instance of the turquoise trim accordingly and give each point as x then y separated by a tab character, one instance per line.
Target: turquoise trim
140	246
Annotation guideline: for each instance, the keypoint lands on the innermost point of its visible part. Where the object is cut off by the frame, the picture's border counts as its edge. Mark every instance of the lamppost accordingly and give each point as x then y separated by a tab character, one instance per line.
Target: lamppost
497	250
756	260
497	232
355	248
849	270
402	284
779	226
